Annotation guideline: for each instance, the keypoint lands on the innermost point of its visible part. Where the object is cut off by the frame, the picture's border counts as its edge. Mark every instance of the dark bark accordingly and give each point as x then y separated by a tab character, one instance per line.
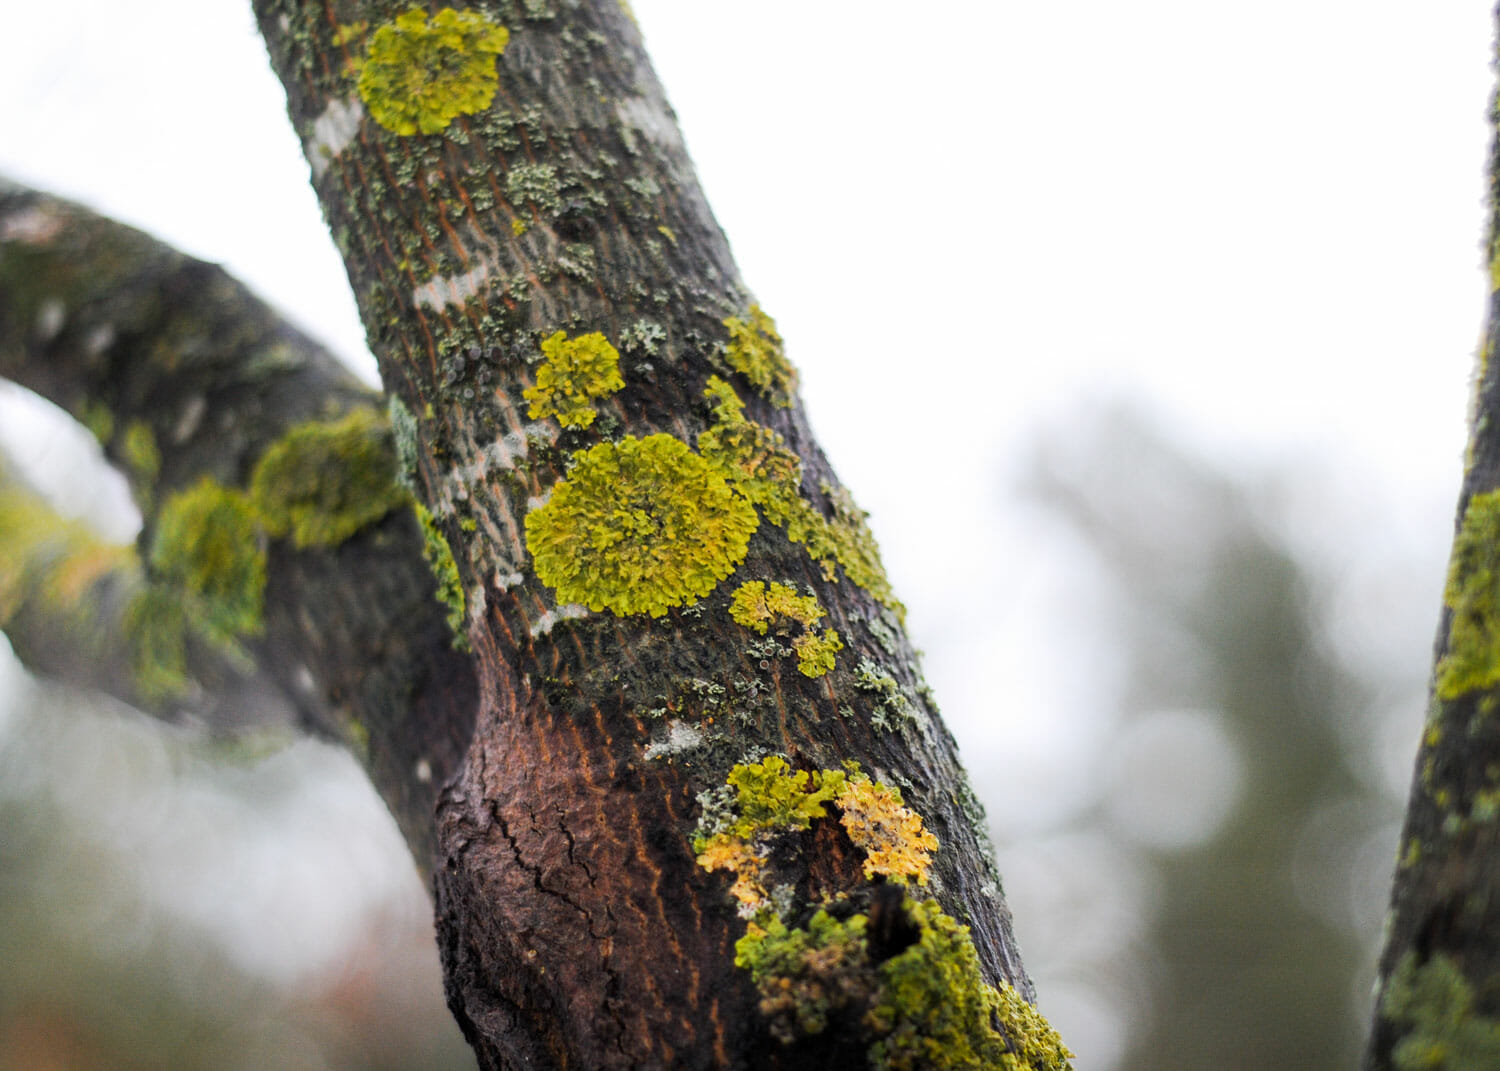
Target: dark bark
127	334
577	929
1438	993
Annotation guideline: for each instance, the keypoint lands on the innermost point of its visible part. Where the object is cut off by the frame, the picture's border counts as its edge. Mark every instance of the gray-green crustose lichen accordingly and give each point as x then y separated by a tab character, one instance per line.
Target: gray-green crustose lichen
422	71
638	526
1472	659
1442	1030
323	481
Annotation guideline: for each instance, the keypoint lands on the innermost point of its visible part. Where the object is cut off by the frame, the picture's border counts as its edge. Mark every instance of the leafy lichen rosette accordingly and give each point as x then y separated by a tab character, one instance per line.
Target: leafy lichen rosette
639	526
422	73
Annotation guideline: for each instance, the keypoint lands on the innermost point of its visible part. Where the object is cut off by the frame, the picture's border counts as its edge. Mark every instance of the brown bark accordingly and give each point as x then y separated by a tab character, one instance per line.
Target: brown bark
577	929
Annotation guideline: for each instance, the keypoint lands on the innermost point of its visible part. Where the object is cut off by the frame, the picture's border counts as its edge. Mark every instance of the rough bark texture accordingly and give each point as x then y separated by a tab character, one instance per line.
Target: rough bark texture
577	928
1438	995
147	346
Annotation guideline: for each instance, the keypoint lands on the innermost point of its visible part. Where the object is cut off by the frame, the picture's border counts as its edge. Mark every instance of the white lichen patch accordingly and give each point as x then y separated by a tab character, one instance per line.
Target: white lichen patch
33	225
680	737
446	290
650	118
332	132
505	581
548	621
499	456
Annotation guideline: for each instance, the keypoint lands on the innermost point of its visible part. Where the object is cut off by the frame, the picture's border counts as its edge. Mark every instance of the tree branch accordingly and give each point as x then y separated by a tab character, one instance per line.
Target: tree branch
185	377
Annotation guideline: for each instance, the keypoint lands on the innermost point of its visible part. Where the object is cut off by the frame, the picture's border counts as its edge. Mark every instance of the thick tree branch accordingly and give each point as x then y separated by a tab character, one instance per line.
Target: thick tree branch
184	376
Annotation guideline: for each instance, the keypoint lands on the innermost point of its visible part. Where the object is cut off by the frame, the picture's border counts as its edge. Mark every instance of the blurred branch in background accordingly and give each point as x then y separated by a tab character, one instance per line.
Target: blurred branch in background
168	900
1231	857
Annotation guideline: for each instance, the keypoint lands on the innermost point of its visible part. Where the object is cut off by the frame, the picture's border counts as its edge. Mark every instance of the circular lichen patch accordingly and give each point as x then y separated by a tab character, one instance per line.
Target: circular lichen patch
422	73
575	372
639	526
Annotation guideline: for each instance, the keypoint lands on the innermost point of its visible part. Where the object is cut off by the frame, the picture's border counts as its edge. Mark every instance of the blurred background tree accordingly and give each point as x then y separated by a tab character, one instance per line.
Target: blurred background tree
1244	781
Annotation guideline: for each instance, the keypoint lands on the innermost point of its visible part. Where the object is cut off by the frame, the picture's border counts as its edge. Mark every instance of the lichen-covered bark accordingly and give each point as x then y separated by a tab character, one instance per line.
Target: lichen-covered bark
183	375
1438	997
519	225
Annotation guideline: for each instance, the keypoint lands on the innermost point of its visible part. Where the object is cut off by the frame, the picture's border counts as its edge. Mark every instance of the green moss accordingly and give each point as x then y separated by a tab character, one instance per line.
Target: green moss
638	526
322	482
1472	660
575	372
450	589
421	73
207	581
935	1010
138	448
1442	1031
805	976
755	350
156	622
206	546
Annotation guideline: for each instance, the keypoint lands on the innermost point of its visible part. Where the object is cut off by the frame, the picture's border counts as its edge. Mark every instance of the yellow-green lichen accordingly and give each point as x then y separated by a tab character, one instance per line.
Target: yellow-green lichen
891	835
755	350
935	1011
755	459
575	372
138	448
97	417
757	606
1440	1028
206	546
322	482
423	72
450	589
913	985
1472	660
762	800
207	581
53	562
638	526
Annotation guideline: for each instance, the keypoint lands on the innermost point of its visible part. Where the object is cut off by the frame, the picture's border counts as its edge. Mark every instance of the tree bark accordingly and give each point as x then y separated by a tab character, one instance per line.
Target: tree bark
593	396
182	374
1438	992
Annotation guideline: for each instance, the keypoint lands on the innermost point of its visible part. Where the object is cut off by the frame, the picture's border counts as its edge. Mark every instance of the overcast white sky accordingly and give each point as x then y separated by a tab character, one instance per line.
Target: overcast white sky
1263	220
